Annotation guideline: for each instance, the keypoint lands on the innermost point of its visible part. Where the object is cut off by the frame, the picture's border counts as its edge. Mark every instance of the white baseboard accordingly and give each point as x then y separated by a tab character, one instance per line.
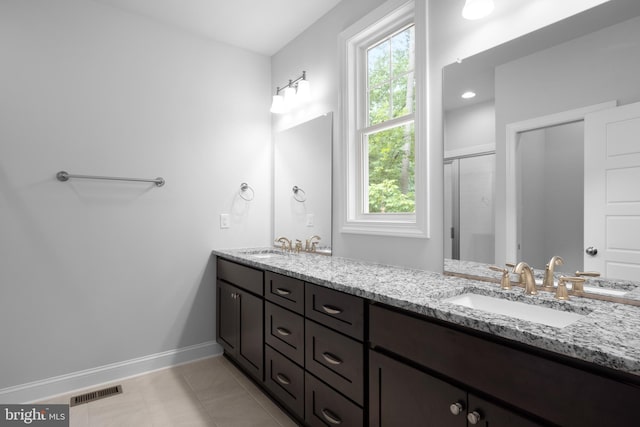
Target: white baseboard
43	389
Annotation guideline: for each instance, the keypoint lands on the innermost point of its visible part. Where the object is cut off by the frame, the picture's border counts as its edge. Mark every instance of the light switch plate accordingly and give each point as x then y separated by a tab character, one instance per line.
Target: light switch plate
224	221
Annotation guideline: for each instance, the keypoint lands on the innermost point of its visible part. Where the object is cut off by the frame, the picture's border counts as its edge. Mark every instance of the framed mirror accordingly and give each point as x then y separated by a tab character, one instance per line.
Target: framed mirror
516	181
302	182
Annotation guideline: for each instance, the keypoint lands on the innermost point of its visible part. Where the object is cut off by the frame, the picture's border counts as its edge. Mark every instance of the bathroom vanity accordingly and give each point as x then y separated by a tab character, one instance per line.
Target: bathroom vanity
343	342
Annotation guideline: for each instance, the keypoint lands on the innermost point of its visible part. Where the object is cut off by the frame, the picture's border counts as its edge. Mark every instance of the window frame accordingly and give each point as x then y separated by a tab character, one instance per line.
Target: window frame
382	22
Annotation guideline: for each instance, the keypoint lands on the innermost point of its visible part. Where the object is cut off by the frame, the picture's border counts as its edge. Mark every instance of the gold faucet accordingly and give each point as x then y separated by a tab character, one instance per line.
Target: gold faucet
310	244
526	278
298	247
285	244
548	272
505	282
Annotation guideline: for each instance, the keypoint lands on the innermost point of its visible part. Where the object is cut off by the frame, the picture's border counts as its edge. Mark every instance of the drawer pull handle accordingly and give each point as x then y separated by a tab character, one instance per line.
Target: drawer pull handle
281	291
331	310
282	331
331	417
282	379
333	359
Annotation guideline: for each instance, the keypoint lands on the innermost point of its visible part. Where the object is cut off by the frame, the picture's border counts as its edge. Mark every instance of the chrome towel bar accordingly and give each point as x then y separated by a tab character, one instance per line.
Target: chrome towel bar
64	176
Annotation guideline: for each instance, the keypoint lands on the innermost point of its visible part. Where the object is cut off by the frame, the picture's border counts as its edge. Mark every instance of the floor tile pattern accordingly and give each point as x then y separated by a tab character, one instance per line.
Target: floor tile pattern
210	392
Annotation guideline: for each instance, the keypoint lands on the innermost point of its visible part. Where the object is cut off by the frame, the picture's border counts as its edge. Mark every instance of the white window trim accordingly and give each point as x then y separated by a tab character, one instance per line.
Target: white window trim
356	37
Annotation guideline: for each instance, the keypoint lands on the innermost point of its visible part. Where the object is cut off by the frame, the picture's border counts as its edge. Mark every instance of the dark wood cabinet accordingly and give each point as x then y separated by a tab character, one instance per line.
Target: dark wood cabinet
325	407
239	316
401	395
284	331
544	388
285	380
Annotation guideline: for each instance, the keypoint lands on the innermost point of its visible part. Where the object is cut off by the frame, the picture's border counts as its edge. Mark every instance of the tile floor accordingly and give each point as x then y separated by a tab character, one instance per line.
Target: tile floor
210	392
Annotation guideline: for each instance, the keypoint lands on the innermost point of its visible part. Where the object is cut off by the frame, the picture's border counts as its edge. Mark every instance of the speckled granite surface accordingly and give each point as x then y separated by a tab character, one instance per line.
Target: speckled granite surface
608	335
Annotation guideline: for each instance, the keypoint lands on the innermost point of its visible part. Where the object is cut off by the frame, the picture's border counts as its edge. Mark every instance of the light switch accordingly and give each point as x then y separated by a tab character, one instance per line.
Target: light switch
224	221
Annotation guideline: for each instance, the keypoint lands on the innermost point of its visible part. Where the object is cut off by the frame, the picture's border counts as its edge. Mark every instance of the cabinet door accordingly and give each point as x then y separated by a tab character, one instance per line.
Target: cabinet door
226	323
250	352
403	396
485	414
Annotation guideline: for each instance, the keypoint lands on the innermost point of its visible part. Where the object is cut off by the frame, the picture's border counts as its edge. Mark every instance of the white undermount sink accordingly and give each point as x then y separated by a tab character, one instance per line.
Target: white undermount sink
265	253
519	310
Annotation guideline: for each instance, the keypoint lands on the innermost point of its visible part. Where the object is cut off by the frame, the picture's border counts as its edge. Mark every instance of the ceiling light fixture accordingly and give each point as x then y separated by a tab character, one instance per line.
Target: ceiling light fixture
292	94
476	9
468	95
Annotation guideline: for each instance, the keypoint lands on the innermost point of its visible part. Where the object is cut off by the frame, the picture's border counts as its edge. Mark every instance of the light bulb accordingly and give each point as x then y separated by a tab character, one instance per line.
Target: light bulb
476	9
304	90
289	96
277	106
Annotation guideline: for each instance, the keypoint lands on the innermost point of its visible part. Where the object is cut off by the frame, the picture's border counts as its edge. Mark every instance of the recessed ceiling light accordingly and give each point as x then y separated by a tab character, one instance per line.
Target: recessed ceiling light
476	9
468	95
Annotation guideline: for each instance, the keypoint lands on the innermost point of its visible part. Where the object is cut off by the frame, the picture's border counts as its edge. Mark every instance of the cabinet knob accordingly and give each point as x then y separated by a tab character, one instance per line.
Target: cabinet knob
474	417
282	291
456	408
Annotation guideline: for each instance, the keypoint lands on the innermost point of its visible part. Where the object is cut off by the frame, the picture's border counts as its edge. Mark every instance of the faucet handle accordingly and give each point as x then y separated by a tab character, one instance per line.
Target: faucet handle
298	247
577	283
505	282
587	274
561	292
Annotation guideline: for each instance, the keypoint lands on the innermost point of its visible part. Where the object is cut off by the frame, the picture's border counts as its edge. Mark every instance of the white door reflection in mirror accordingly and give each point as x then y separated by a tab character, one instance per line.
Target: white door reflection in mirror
612	204
302	160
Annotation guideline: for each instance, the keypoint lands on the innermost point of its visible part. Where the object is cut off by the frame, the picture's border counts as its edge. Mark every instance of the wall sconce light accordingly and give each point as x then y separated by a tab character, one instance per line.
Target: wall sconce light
293	93
476	9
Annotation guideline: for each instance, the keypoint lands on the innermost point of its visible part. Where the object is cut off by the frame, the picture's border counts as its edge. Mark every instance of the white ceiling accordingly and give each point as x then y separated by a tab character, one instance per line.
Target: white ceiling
262	26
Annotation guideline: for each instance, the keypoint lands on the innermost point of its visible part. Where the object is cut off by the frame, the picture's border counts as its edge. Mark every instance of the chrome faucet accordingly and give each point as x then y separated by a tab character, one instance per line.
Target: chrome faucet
526	278
285	244
548	271
310	244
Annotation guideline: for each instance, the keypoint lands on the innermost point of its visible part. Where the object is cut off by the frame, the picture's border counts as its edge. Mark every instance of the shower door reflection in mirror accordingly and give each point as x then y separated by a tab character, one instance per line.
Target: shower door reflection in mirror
469	211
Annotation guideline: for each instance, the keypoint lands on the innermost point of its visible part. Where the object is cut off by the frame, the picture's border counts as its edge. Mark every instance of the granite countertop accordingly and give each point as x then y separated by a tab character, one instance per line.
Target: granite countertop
608	335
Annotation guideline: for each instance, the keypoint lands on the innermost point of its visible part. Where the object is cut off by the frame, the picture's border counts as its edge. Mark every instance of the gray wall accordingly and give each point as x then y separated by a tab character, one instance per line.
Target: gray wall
94	273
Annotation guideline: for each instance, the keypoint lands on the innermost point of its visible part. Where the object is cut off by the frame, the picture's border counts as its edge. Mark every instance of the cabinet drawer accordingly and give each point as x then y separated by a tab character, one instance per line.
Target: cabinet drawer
285	291
242	276
546	386
336	359
285	380
337	310
284	331
324	407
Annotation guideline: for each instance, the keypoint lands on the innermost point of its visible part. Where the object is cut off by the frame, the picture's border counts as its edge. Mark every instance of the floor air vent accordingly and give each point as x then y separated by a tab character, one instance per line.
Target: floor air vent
95	395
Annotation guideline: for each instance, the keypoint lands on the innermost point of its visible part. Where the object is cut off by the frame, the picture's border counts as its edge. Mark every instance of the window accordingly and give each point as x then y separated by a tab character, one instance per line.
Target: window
383	121
389	136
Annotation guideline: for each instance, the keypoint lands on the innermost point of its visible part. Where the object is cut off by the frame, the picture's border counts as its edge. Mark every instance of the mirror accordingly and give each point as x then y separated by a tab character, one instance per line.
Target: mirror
538	86
302	182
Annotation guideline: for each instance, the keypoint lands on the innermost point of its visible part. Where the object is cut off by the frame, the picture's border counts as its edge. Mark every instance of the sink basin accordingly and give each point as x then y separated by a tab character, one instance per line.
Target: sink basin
265	253
519	310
